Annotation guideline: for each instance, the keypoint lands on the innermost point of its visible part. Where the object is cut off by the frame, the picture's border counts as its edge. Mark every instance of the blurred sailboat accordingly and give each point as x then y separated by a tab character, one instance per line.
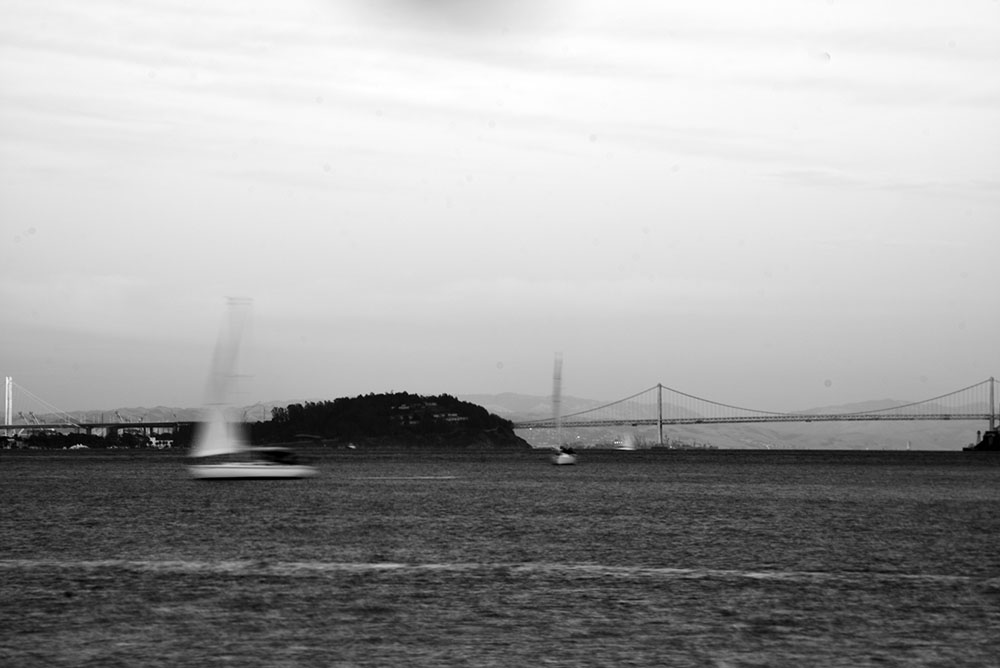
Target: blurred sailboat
219	452
564	454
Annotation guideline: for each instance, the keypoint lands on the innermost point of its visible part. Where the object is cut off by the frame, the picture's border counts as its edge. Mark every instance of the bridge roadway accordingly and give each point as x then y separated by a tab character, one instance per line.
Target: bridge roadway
549	423
89	426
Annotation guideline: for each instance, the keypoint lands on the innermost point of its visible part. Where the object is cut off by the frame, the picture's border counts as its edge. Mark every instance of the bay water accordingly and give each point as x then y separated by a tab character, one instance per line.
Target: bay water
497	558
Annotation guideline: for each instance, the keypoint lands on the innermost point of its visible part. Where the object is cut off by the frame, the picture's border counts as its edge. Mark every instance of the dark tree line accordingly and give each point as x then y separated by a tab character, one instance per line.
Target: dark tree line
392	416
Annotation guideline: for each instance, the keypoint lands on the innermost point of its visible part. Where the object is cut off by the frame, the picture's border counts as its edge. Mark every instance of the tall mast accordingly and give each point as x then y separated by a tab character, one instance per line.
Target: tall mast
557	397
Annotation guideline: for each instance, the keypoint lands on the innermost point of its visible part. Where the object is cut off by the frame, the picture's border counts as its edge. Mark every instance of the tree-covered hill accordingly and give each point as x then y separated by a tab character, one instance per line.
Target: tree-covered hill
398	419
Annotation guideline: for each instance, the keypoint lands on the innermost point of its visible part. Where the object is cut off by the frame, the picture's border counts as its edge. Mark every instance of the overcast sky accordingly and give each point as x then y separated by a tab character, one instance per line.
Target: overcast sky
777	204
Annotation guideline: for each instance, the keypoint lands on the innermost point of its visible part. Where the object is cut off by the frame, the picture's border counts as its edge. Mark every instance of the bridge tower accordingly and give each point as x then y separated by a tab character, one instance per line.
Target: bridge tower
993	405
8	402
659	413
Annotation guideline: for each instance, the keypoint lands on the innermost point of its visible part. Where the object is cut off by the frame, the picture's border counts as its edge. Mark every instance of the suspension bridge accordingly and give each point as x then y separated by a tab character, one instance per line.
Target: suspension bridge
657	406
660	406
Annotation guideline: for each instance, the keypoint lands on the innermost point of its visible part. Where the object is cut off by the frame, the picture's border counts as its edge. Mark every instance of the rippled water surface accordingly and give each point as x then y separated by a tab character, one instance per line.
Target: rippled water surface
487	559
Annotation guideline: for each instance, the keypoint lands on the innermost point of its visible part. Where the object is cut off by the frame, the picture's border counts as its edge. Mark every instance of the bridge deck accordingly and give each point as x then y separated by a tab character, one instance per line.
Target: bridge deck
99	425
842	417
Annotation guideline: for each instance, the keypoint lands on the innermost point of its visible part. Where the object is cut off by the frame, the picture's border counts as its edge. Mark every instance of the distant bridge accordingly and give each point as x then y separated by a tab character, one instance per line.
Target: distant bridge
657	406
88	427
55	419
661	405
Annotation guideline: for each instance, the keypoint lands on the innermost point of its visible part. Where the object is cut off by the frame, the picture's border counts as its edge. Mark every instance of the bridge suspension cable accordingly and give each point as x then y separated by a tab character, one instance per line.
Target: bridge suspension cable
11	386
978	398
664	405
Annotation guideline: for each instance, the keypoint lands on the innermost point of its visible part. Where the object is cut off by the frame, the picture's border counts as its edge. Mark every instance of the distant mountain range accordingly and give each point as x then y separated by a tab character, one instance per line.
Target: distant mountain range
516	407
141	414
917	435
521	407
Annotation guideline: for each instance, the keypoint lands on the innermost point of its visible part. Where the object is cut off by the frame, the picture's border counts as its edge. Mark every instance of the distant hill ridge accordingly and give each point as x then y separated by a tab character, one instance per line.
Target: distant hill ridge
510	405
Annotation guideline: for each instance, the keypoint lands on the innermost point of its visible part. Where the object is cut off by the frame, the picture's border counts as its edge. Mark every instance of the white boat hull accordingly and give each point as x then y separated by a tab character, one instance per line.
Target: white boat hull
563	459
245	470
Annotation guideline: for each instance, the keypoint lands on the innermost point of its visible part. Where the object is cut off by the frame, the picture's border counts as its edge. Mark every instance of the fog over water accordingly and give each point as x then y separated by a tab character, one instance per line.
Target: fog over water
778	207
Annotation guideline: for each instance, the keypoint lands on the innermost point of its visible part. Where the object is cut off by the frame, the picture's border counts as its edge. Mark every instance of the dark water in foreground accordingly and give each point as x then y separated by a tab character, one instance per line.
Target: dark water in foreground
493	559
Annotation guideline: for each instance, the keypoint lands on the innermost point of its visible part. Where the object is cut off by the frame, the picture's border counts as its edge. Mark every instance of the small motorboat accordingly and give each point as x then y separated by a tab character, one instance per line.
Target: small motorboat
564	456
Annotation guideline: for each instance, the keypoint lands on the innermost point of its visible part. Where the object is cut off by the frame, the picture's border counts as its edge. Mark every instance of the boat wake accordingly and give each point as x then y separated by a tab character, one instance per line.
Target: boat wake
311	568
406	477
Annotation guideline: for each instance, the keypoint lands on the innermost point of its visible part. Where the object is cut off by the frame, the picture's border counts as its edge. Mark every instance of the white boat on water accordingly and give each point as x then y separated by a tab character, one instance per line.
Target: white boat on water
263	468
626	443
564	456
222	455
219	453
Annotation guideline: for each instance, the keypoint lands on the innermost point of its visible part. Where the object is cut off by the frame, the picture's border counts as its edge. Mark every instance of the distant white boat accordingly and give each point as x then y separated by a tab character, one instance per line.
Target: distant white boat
627	443
219	452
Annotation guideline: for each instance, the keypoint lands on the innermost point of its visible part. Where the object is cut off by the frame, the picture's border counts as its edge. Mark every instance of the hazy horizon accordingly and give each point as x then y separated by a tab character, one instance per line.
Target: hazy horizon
571	403
778	207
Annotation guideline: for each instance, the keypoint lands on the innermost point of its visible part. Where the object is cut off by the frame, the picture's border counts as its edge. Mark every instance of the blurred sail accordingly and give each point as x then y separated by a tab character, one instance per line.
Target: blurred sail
216	436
